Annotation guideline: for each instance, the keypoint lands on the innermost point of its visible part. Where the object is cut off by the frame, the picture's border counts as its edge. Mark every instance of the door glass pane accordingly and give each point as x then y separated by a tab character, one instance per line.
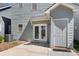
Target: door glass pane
36	32
42	32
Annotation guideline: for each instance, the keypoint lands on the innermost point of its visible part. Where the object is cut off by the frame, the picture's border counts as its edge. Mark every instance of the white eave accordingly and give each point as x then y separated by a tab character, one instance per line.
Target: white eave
39	18
5	6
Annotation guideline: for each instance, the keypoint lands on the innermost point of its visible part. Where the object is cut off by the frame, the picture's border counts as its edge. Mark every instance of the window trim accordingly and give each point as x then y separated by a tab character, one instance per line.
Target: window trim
32	7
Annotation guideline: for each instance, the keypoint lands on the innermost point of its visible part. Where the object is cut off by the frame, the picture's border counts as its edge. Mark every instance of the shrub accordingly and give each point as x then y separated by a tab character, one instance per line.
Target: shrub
1	38
14	40
76	45
15	43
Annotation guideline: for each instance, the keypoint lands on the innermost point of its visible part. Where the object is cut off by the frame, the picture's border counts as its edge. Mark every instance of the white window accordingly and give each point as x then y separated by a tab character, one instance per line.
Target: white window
20	27
34	6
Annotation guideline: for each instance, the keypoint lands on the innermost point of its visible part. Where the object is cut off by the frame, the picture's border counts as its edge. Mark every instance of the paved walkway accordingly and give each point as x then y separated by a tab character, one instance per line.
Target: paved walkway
33	50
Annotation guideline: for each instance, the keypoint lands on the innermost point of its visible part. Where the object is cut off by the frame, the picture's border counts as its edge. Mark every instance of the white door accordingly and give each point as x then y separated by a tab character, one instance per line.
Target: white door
40	32
60	32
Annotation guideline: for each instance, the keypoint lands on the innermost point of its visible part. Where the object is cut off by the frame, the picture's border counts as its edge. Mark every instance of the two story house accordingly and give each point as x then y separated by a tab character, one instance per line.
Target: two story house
53	23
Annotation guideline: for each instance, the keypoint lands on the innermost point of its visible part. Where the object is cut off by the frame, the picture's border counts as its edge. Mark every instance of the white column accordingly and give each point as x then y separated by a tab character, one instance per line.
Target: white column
51	33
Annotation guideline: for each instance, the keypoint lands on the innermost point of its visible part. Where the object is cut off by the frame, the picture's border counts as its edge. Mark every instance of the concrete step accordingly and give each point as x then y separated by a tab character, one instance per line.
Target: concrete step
61	49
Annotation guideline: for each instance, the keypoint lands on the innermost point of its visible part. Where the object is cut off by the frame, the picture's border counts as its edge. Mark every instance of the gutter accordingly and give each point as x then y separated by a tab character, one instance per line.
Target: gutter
6	7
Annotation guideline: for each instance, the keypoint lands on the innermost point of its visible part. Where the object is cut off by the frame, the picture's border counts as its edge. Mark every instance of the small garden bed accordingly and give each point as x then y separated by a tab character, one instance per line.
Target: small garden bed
7	45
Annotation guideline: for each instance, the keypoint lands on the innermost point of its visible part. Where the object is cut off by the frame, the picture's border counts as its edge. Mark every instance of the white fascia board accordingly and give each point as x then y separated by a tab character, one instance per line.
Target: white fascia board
6	7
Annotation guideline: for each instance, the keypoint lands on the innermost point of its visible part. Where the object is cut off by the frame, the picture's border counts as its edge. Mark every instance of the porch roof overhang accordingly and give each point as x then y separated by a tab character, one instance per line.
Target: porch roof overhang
40	19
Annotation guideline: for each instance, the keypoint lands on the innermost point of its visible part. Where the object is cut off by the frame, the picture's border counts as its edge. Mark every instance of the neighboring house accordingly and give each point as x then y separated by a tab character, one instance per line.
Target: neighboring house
44	22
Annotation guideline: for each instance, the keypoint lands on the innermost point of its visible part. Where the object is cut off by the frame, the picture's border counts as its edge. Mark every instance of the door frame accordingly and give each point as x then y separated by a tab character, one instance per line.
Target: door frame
39	25
66	31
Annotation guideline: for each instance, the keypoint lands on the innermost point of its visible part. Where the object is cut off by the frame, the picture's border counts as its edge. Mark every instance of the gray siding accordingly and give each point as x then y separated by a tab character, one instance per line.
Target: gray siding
28	33
76	20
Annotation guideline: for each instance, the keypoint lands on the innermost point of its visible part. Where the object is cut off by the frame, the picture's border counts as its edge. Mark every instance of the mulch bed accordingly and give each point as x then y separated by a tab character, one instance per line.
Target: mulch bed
7	45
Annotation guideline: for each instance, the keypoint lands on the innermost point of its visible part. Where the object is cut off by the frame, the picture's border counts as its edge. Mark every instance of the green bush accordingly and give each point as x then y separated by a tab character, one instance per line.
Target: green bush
76	45
1	38
15	42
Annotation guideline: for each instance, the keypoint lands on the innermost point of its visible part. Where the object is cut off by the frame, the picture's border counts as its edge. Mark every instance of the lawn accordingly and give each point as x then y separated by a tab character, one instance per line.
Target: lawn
7	45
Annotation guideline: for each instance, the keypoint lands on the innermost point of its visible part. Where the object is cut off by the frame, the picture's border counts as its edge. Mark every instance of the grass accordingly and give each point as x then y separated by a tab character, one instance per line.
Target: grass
76	45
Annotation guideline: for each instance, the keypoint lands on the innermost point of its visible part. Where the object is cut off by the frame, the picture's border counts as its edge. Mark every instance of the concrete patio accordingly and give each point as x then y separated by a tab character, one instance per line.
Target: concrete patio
34	50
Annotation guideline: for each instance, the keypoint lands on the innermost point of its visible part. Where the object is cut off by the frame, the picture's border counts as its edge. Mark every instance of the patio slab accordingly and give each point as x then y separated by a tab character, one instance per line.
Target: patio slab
34	50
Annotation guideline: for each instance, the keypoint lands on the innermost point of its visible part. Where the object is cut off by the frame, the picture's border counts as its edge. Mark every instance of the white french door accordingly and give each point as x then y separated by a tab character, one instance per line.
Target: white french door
40	32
